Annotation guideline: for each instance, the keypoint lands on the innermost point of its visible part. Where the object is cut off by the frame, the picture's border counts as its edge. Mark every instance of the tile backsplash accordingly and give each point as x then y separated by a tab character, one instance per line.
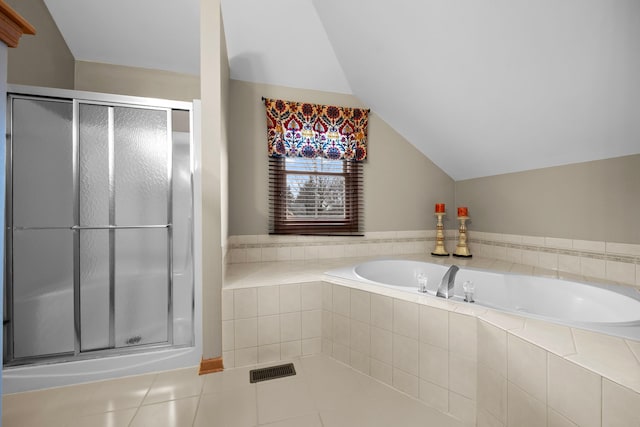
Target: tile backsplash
609	261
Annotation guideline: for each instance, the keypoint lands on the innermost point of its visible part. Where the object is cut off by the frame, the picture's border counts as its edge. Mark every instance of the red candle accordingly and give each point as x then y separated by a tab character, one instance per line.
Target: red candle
463	211
439	207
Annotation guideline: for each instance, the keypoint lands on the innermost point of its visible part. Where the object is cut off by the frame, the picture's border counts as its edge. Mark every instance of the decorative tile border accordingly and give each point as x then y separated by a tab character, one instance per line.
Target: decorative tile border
571	252
617	262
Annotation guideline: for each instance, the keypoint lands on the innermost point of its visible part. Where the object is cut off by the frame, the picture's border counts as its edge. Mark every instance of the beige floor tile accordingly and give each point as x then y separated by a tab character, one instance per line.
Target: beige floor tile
118	394
227	380
174	413
312	420
283	398
231	408
107	419
175	384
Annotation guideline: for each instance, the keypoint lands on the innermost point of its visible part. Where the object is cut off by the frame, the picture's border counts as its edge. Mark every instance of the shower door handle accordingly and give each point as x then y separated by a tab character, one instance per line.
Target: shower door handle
118	227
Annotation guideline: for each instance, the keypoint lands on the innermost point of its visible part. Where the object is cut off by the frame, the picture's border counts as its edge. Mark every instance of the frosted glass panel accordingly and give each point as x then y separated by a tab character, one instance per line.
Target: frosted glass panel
94	289
43	292
182	245
94	164
42	163
141	156
142	285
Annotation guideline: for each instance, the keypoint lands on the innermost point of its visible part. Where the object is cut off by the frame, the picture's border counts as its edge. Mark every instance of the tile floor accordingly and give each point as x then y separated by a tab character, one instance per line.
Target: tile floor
323	393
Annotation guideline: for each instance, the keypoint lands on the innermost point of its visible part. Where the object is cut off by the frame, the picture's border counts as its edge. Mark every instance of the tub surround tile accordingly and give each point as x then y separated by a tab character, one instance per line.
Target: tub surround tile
502	320
463	375
622	272
381	371
360	362
485	419
492	347
492	393
406	318
268	300
406	354
246	333
589	246
227	304
245	303
311	324
554	419
555	338
311	296
462	408
553	242
382	345
434	365
360	337
341	330
290	298
327	296
574	392
463	335
608	356
406	383
290	326
434	326
228	335
635	348
341	300
527	367
434	395
524	409
591	267
361	305
268	353
569	264
622	249
291	349
620	406
311	346
382	311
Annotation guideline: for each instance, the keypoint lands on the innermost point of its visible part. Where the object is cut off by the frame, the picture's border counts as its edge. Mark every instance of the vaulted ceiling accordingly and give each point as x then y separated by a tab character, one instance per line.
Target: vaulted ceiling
481	87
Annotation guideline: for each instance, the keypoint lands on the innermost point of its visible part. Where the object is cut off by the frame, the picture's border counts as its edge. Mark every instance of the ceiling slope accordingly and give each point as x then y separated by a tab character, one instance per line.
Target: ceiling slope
281	42
162	35
490	87
481	87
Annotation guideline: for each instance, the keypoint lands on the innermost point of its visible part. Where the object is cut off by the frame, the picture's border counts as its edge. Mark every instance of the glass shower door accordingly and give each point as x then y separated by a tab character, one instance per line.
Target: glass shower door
125	230
41	238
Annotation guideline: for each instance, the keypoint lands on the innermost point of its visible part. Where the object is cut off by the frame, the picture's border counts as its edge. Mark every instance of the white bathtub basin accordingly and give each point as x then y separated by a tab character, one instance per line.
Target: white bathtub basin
604	308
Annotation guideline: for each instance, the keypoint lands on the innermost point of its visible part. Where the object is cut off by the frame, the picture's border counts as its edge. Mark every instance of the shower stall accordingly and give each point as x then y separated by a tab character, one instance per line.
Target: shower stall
99	226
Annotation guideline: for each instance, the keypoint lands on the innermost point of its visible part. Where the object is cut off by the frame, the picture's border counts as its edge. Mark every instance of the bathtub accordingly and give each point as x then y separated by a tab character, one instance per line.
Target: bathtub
610	309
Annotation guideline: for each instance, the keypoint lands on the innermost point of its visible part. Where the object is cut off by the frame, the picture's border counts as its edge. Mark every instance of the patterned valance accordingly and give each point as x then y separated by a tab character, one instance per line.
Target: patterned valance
298	129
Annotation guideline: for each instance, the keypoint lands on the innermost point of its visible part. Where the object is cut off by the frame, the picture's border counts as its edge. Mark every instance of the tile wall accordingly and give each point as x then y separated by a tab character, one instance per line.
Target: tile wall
522	384
609	261
479	366
269	323
425	352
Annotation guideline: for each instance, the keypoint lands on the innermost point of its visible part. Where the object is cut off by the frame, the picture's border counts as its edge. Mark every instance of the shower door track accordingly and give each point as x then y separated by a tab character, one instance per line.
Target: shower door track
88	98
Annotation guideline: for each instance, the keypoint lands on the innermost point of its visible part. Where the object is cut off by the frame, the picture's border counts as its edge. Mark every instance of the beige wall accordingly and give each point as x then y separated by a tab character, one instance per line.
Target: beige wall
401	184
43	59
597	200
214	69
121	80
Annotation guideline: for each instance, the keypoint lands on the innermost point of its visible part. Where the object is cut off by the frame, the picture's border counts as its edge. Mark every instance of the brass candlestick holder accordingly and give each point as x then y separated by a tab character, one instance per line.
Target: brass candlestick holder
440	250
462	249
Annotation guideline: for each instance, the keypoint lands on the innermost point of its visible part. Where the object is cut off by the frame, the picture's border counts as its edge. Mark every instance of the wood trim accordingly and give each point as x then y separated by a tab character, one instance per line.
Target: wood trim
12	25
209	366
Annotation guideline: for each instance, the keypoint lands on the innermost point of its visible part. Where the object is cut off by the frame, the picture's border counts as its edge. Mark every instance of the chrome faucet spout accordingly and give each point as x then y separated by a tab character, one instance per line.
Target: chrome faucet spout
445	290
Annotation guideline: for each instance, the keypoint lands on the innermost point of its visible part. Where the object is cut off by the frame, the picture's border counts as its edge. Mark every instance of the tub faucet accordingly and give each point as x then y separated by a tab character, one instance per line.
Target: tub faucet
445	290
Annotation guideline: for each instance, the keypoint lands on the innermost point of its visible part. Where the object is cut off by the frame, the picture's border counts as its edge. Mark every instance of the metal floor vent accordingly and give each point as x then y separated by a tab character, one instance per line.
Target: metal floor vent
271	373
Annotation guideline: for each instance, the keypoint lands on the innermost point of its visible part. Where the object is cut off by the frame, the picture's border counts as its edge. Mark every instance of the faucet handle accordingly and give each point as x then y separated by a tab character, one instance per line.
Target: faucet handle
469	288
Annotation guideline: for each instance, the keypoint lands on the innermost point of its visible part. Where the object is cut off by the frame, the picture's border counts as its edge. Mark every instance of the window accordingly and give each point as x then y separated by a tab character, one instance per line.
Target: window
315	196
315	167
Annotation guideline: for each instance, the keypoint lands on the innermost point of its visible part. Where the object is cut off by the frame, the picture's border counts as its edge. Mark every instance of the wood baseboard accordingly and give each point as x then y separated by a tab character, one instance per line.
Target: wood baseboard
209	366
